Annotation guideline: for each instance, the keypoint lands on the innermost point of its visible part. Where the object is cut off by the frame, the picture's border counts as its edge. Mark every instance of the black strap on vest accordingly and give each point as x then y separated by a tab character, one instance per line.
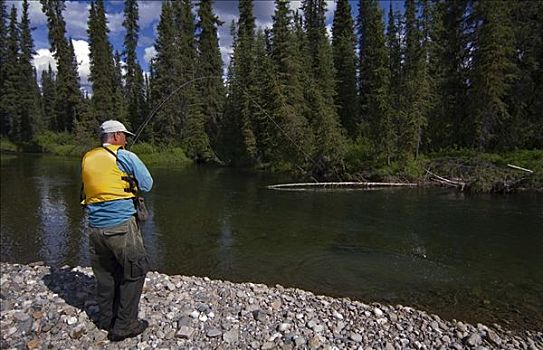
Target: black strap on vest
130	179
110	151
141	210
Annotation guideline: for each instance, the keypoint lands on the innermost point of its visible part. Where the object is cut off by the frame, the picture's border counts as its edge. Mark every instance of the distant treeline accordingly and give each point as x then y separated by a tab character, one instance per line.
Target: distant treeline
463	74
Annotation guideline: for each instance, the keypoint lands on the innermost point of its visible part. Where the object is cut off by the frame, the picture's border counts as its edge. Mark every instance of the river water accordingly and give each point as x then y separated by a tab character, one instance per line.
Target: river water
477	258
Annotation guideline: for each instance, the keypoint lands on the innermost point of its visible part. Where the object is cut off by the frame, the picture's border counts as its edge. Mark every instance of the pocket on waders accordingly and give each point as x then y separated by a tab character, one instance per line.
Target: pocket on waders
136	267
116	230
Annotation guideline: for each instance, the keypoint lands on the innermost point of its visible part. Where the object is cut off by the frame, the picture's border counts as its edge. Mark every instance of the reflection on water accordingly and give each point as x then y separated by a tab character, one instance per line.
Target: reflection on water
53	222
151	237
475	258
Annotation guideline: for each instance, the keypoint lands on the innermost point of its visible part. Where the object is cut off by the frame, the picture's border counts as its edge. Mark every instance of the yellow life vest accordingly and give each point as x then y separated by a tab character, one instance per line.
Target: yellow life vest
102	179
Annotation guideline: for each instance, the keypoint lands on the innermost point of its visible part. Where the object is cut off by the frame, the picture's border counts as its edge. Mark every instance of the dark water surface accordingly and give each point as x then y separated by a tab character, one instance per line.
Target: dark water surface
477	258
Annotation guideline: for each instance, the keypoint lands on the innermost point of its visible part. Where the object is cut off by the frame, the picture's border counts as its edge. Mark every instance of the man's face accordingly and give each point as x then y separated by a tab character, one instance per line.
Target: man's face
119	138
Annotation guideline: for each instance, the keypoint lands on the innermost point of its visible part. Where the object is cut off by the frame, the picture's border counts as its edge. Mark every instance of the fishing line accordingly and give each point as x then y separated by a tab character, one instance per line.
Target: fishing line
300	149
159	106
252	100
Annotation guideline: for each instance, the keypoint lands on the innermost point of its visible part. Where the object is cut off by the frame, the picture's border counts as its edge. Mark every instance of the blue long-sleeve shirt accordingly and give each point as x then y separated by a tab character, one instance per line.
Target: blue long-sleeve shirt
112	213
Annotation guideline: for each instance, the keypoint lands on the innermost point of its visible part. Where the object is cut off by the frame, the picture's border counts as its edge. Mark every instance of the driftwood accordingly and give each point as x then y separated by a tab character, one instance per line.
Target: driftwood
447	182
520	168
331	185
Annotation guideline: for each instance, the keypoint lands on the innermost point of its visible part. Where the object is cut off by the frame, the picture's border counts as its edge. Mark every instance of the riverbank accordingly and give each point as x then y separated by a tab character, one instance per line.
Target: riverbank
45	308
464	170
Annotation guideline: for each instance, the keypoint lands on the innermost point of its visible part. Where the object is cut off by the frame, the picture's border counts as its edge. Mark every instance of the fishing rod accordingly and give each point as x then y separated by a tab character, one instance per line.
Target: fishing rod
252	100
159	106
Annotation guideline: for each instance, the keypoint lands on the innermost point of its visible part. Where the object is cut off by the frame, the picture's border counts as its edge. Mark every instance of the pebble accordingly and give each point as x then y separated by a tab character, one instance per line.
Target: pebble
474	339
355	337
45	308
283	327
213	332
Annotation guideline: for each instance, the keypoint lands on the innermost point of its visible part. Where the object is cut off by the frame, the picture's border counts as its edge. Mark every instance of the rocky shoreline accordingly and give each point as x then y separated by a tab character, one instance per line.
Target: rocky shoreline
47	308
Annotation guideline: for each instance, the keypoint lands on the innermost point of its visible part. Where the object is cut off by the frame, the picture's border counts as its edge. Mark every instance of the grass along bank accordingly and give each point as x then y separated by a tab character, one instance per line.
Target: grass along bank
66	145
467	170
477	171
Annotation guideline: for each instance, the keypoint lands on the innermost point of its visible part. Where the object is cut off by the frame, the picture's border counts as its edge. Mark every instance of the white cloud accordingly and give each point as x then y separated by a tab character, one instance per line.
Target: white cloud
42	59
330	10
145	40
149	53
149	12
115	22
263	12
37	17
81	49
76	16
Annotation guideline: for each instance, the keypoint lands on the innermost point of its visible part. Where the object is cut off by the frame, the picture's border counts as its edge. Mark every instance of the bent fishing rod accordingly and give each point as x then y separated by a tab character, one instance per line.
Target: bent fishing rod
252	100
159	106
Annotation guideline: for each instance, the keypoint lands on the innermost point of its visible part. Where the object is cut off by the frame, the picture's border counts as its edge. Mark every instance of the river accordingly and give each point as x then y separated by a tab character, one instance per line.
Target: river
477	258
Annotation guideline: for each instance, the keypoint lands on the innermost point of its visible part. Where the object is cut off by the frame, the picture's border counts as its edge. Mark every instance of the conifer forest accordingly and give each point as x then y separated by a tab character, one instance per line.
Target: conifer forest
381	87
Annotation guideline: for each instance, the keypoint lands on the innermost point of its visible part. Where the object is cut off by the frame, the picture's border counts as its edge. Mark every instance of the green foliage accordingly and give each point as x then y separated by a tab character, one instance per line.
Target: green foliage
143	148
170	157
343	44
360	155
459	81
494	71
374	80
67	96
60	143
134	83
209	66
66	144
7	145
102	66
163	79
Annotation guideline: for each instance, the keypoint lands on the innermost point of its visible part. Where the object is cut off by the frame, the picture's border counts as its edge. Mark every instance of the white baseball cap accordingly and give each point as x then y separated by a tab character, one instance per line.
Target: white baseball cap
110	126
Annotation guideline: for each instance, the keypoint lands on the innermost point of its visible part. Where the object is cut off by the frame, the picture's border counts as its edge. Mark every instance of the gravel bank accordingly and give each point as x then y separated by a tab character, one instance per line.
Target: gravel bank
45	308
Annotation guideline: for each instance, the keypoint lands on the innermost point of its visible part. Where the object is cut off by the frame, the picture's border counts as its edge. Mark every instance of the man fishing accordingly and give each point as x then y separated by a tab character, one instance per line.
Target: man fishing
111	178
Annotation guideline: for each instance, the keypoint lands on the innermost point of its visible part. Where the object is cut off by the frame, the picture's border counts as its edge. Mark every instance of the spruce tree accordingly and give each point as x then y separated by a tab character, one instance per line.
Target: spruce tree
209	65
415	87
239	123
451	59
3	73
374	79
194	136
245	79
324	120
264	128
526	97
164	79
12	81
102	68
492	76
68	95
394	45
30	112
343	44
289	126
134	84
48	97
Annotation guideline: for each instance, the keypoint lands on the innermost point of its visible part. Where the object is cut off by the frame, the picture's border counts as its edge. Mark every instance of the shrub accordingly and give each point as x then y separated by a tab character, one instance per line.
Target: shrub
7	145
167	157
143	148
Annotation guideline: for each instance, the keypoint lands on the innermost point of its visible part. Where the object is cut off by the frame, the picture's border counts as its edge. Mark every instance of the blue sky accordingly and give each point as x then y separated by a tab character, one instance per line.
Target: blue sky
76	16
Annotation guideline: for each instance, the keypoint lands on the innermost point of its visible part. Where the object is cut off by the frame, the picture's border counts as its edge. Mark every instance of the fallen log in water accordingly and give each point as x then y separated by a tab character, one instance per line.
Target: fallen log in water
447	182
344	185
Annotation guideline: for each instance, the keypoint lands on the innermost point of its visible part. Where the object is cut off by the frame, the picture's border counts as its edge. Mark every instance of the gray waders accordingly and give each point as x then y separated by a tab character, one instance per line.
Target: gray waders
119	263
